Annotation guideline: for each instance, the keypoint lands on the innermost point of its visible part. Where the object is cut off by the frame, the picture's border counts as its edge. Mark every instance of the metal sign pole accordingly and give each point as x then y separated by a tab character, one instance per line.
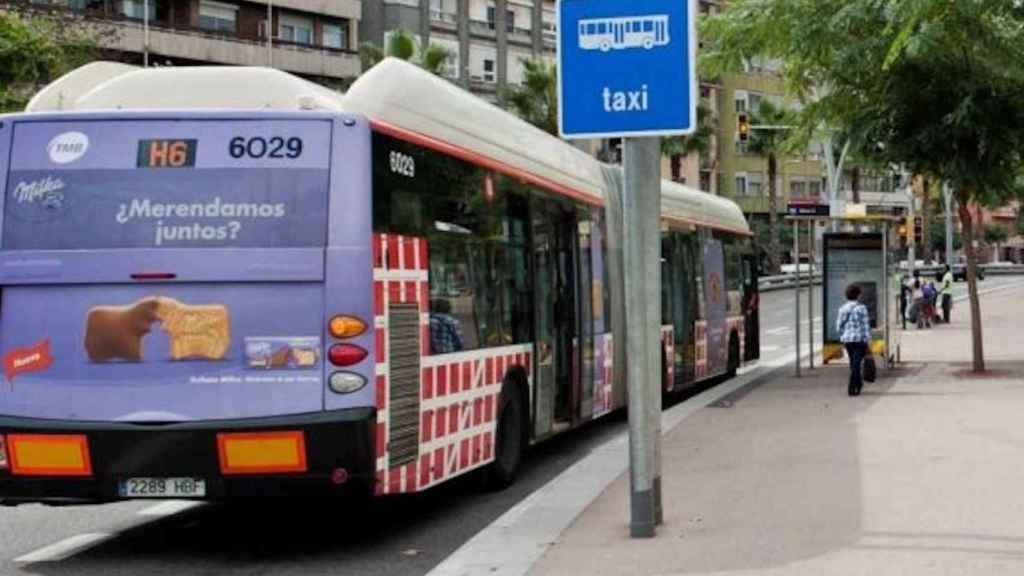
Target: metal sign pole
642	278
810	293
796	254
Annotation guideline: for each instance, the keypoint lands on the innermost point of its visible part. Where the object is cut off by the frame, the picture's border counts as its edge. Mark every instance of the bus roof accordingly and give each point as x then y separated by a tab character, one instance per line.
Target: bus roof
684	204
392	95
399	96
110	86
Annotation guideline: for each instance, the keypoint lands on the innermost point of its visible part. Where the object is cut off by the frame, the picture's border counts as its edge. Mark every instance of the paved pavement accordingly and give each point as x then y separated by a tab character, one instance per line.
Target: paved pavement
919	475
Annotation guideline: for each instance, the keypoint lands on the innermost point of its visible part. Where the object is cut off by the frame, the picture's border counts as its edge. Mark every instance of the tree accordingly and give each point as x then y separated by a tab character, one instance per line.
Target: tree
37	48
937	234
936	85
401	44
536	99
770	143
677	147
763	237
996	235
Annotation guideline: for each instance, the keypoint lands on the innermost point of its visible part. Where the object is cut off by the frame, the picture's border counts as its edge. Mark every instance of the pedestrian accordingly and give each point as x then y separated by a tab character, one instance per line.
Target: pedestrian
931	296
946	290
854	327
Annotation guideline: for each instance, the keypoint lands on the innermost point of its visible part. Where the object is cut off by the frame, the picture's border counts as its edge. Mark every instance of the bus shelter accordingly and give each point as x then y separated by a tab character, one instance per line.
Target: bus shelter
856	249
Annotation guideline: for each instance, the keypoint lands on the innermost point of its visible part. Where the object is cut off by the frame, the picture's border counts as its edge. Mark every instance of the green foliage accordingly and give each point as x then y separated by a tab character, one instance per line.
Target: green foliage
996	234
767	143
536	99
402	45
935	86
937	234
35	50
698	142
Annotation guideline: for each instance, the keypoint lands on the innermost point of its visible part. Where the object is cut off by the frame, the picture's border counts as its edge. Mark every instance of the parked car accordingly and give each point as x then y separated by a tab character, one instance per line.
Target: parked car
960	272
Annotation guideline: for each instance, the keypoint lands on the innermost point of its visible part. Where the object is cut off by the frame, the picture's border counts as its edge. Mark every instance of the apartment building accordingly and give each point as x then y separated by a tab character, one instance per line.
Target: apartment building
316	39
488	39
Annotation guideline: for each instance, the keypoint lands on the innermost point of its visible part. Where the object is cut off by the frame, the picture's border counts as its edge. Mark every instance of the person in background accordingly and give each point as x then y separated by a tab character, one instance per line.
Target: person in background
931	296
445	331
854	327
946	291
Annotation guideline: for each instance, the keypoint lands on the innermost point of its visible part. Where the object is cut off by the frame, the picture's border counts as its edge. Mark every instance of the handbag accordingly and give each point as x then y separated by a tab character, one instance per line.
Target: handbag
868	370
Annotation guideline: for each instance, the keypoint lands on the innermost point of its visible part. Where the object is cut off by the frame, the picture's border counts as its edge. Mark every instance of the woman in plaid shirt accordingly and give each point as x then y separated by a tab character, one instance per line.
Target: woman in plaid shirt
854	327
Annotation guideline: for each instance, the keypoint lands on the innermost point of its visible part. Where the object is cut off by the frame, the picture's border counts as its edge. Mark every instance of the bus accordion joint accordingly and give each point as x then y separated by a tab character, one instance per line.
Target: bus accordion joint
149	276
342	326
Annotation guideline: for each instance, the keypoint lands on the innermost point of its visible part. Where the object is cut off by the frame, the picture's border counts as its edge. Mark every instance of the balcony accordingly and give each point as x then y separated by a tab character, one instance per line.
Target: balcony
444	20
231	49
482	28
521	35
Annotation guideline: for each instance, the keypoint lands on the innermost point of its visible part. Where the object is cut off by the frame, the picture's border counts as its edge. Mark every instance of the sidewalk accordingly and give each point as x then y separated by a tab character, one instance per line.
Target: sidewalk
921	474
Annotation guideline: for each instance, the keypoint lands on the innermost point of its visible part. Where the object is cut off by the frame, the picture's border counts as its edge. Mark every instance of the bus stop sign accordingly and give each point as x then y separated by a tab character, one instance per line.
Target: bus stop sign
627	68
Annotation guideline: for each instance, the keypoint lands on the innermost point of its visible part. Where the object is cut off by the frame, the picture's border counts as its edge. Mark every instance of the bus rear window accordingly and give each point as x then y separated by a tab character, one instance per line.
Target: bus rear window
209	187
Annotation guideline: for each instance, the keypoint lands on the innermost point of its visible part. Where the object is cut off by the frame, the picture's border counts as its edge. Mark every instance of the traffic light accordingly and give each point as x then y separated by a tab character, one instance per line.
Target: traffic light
743	127
918	228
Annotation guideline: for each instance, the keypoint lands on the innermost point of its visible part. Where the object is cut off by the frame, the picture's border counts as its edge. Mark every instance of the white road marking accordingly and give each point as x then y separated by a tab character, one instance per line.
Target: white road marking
168	508
65	548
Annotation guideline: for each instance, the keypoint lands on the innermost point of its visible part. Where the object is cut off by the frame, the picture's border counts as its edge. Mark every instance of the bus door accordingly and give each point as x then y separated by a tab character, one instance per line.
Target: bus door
715	308
751	309
556	382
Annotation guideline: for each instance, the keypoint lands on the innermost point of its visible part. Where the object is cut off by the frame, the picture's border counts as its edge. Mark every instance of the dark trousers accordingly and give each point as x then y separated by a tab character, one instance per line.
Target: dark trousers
947	303
856	351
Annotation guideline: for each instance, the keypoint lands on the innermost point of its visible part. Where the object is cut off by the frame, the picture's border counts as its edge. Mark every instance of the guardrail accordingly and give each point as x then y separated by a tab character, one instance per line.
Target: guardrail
784	281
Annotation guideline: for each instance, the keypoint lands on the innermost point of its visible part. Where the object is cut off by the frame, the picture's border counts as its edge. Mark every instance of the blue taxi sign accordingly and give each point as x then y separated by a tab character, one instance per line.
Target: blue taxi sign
627	68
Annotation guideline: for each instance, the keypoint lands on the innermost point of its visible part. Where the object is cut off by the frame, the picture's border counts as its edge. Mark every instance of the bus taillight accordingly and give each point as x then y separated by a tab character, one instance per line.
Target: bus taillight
346	326
346	354
3	453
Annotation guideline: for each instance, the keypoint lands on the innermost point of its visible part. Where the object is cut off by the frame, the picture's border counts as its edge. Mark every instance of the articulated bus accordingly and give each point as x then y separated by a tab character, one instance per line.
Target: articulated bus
229	282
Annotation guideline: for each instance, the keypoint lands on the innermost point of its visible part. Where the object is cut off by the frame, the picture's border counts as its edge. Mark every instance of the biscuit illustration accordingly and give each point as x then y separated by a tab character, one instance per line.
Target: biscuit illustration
115	332
304	357
202	331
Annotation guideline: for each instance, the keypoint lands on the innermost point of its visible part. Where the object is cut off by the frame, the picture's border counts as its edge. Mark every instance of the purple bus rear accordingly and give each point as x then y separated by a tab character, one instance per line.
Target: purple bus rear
167	285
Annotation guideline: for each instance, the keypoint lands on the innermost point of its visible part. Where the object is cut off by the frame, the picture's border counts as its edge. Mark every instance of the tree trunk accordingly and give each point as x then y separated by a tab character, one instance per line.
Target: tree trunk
972	281
925	216
855	184
774	253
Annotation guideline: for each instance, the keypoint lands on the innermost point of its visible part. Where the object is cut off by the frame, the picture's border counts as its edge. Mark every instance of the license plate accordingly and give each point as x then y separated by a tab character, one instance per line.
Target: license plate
163	488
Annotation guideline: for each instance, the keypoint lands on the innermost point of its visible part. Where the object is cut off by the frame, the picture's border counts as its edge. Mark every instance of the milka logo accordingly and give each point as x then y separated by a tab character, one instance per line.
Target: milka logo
67	147
47	190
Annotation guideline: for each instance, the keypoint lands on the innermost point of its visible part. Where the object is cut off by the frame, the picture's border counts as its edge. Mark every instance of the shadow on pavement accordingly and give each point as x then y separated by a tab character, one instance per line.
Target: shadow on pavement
770	477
